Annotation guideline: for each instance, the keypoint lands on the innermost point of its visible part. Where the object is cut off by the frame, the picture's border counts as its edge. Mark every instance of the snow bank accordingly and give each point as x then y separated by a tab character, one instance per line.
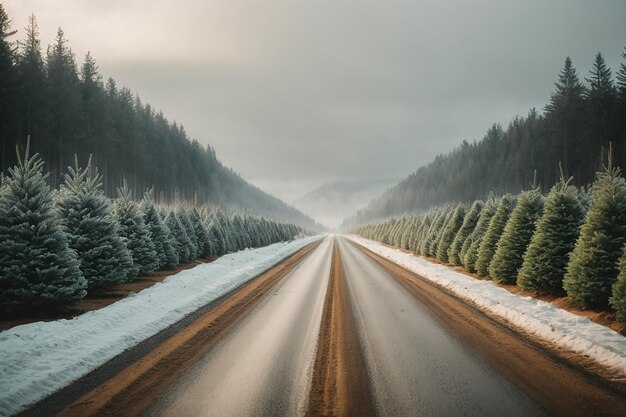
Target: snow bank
538	317
39	358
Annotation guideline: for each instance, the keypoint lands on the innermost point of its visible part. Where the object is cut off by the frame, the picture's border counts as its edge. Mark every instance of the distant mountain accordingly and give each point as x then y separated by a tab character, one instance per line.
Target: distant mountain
330	203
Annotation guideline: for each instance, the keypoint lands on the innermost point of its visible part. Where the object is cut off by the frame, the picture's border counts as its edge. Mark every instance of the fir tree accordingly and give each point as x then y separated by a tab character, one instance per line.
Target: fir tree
134	230
37	266
516	237
205	245
180	236
545	261
452	227
469	251
103	256
469	224
185	221
618	298
164	245
493	234
593	266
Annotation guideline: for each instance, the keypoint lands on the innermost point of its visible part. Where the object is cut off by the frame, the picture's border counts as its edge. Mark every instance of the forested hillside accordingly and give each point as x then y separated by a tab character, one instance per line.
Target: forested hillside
582	116
69	109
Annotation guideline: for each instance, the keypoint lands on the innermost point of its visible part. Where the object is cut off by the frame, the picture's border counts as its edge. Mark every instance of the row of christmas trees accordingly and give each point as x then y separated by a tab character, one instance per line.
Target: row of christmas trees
57	245
571	241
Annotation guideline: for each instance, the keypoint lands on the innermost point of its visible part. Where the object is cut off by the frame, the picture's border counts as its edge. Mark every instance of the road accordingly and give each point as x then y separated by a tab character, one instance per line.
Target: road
416	367
336	330
263	367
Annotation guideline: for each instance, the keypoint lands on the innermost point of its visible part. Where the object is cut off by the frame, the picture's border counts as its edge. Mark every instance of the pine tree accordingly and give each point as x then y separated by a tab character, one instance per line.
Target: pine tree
593	266
494	232
545	261
516	237
469	224
618	298
180	236
164	244
566	115
185	221
134	230
452	227
8	93
205	245
103	256
469	251
37	266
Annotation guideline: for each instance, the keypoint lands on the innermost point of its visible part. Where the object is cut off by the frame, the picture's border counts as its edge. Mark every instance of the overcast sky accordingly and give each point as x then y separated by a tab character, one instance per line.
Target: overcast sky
292	94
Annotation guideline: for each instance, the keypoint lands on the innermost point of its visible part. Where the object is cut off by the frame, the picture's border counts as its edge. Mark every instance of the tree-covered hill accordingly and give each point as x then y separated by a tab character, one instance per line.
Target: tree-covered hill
69	109
577	124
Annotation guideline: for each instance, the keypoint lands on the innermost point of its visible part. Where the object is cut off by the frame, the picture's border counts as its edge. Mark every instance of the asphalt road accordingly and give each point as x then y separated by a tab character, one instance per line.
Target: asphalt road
415	366
264	366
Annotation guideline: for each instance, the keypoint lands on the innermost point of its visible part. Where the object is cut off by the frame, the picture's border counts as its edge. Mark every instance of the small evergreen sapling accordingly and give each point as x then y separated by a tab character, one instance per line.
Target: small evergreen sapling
164	244
618	298
593	266
493	234
447	237
134	230
469	251
469	223
516	237
103	256
545	261
37	267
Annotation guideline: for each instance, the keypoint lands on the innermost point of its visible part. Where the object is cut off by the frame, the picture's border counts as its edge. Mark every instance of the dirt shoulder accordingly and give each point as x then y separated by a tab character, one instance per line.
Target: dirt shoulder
129	383
91	303
563	382
340	384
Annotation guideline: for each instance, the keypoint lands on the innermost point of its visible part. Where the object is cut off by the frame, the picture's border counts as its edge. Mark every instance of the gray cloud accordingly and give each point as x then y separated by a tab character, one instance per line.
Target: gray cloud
295	93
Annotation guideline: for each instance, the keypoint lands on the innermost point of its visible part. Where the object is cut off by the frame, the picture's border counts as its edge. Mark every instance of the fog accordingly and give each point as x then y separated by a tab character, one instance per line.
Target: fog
294	94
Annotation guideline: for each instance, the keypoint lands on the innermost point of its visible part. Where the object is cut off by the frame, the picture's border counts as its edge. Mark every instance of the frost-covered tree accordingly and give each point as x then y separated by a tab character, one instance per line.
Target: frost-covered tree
593	266
183	244
205	245
185	221
546	258
134	230
618	298
37	266
494	232
469	224
469	250
516	237
165	245
449	232
93	233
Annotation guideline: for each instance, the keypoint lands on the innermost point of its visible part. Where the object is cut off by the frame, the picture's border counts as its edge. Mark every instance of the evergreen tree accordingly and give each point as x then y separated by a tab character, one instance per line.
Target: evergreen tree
494	232
469	224
452	227
545	261
516	237
618	298
103	256
164	244
185	221
177	231
8	94
134	230
593	266
469	251
601	99
205	245
36	265
65	101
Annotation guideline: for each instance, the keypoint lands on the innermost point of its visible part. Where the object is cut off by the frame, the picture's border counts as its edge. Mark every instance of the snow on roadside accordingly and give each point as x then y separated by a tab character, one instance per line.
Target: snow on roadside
542	319
38	359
